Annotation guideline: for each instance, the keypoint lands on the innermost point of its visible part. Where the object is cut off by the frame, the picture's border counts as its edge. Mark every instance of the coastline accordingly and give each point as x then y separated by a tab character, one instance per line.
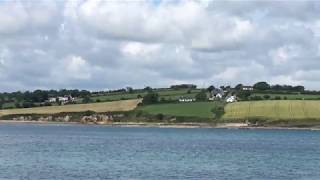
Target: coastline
167	125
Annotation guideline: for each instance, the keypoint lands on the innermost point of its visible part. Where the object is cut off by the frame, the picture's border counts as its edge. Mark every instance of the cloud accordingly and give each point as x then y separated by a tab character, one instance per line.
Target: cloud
96	44
284	54
27	17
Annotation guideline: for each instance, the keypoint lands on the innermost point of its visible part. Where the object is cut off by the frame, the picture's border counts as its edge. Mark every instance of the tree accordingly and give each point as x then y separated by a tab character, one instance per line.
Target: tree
160	116
266	96
86	99
238	87
148	89
256	98
244	95
150	98
27	105
83	93
130	90
17	105
261	86
211	88
277	98
183	86
299	88
75	93
218	111
201	96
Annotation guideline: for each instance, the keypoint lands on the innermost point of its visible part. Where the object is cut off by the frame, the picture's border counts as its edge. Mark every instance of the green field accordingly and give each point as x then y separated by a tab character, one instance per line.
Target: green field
193	109
166	94
273	110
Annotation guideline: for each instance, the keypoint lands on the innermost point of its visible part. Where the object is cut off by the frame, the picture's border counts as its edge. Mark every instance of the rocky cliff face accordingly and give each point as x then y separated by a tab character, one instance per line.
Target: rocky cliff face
92	119
97	119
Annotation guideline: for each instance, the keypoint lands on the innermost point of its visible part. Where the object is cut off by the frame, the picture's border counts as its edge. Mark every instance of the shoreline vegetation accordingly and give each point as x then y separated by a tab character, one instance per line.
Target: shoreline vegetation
166	125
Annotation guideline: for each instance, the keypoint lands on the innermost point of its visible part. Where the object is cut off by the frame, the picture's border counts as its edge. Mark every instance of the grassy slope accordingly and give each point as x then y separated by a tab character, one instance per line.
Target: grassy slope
163	93
194	109
173	94
124	105
273	110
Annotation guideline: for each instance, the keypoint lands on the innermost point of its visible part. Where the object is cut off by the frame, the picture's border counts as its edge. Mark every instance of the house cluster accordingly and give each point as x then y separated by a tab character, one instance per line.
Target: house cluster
61	99
218	94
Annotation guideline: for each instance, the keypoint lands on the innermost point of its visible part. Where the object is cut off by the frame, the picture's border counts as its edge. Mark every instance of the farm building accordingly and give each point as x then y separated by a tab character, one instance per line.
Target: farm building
63	99
186	99
247	88
217	93
231	99
52	99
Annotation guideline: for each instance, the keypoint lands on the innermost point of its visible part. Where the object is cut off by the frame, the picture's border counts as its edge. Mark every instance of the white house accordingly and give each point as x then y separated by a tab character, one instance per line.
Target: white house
247	88
52	99
186	99
63	99
231	99
218	96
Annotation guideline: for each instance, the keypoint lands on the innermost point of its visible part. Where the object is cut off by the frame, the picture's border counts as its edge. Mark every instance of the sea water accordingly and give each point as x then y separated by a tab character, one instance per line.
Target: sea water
76	152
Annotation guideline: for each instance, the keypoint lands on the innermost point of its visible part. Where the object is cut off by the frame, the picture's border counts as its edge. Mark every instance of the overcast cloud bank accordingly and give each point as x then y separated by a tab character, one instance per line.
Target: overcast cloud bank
111	44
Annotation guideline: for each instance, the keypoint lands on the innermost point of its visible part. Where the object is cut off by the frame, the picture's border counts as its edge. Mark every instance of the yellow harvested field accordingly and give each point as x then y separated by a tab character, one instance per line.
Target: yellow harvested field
285	109
124	105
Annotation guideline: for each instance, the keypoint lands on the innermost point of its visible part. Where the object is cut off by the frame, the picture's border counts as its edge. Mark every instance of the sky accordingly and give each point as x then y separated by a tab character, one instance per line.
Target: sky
110	44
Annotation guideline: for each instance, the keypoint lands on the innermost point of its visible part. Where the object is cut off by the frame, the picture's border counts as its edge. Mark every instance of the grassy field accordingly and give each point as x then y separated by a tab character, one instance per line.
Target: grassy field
124	105
167	94
290	96
273	110
194	109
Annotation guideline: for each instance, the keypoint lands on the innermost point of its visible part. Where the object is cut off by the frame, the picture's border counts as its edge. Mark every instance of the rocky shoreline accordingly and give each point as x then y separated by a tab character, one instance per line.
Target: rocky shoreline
165	125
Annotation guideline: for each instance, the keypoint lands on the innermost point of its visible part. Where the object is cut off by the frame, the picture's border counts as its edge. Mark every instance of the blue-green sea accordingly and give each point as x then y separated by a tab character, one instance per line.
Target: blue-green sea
76	152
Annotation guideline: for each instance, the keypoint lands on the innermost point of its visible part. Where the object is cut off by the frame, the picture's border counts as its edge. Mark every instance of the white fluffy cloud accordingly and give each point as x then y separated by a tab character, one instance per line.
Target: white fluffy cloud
96	44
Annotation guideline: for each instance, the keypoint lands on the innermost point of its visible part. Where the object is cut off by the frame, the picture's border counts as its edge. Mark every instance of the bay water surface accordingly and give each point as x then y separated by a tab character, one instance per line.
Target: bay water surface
76	152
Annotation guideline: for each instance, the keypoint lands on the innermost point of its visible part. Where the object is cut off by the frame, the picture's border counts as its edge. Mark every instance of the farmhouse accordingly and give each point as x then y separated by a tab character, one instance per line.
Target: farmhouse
247	88
186	99
52	99
216	94
231	99
63	99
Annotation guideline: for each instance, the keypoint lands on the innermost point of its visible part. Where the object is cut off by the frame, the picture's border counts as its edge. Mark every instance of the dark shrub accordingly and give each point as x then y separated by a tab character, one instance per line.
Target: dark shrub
89	113
277	98
86	99
150	98
201	96
256	98
266	96
159	116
